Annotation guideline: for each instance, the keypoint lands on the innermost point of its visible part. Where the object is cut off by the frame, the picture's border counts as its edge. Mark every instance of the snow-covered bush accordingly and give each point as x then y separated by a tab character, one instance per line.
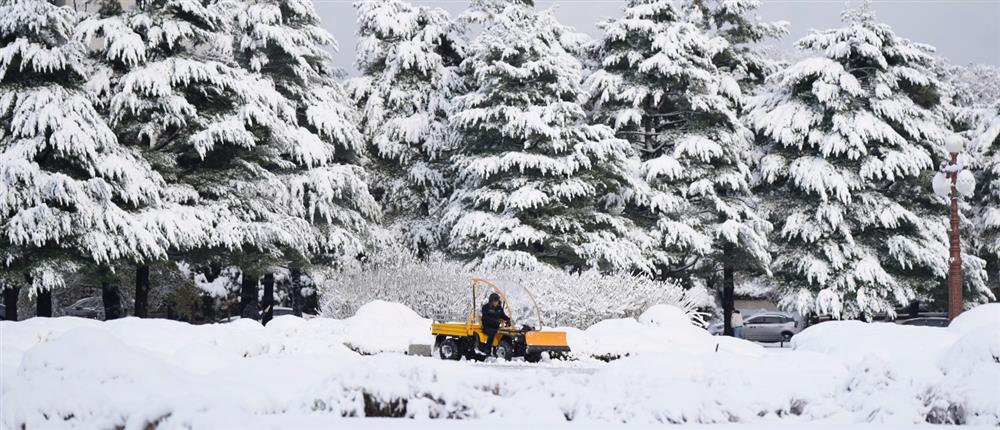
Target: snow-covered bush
909	374
439	288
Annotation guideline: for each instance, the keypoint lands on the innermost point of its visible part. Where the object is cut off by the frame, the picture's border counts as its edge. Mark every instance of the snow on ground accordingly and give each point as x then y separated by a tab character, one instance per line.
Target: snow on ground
324	422
130	373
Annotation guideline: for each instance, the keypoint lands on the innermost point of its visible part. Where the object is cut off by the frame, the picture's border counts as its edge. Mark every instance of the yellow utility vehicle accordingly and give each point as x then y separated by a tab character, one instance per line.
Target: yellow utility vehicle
454	340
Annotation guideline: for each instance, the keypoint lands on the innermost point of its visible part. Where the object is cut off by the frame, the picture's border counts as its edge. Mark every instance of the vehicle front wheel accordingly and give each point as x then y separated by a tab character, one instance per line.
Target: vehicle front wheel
504	350
448	350
786	336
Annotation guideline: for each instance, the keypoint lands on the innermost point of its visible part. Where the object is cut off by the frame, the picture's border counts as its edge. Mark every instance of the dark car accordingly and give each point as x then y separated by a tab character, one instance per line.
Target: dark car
282	310
90	307
925	322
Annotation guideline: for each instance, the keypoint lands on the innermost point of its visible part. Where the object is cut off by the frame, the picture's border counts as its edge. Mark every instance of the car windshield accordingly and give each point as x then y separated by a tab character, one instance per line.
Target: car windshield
520	304
88	302
767	319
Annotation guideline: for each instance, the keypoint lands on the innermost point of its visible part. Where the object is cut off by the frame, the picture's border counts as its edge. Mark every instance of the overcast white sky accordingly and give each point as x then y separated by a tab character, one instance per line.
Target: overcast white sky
965	31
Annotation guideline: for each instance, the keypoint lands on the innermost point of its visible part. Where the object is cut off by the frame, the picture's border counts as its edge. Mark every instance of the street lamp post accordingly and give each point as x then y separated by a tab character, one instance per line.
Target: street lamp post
950	183
955	250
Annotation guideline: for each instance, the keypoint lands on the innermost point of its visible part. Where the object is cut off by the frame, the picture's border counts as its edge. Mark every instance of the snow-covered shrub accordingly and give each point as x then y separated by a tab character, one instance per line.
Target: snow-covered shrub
439	288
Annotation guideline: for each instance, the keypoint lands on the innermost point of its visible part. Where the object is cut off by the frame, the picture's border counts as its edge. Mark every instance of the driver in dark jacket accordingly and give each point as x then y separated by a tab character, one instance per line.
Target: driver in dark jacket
492	316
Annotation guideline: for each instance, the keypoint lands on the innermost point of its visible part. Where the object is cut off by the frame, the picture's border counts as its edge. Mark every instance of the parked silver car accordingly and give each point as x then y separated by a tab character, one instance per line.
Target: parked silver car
90	307
770	327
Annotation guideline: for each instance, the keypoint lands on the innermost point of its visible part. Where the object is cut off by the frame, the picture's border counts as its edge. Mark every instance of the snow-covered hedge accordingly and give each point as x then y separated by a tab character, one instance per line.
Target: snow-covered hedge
897	373
440	289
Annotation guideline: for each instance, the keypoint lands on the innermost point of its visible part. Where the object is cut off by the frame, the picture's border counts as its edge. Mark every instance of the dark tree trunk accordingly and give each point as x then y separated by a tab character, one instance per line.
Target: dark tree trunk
112	296
647	140
914	309
295	290
268	304
44	303
311	303
248	297
208	307
142	291
10	296
728	302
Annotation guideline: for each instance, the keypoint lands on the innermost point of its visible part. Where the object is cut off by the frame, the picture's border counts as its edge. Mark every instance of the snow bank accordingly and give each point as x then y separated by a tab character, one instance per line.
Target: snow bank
661	329
972	363
854	341
381	326
131	373
987	315
949	375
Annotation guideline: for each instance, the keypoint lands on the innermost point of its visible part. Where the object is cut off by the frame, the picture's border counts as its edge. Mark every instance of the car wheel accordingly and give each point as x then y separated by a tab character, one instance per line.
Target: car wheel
448	350
504	350
786	336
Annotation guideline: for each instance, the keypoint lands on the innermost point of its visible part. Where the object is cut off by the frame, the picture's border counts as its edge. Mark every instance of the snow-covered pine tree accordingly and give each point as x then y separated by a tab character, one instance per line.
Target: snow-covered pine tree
848	140
408	57
986	147
660	88
533	178
956	109
745	60
248	157
736	22
70	192
319	148
974	111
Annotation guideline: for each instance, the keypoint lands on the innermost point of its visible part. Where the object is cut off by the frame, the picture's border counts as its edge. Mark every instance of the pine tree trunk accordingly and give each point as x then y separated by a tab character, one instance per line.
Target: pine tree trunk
142	291
268	304
311	303
728	302
208	307
914	309
248	297
647	139
112	296
10	296
295	291
44	303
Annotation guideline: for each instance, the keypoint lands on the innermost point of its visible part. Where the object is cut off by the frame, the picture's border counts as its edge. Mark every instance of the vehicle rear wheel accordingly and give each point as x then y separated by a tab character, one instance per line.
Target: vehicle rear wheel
786	336
504	350
449	350
533	357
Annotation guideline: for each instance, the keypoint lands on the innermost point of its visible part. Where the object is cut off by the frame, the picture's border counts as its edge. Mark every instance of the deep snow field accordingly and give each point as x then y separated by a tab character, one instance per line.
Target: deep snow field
325	373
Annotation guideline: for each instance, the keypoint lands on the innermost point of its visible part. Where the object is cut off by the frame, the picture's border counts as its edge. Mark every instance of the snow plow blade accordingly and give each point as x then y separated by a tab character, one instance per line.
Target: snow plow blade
546	341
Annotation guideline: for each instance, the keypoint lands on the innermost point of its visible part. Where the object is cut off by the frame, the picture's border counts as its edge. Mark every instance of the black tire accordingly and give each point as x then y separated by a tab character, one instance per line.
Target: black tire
449	350
533	357
787	336
505	350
